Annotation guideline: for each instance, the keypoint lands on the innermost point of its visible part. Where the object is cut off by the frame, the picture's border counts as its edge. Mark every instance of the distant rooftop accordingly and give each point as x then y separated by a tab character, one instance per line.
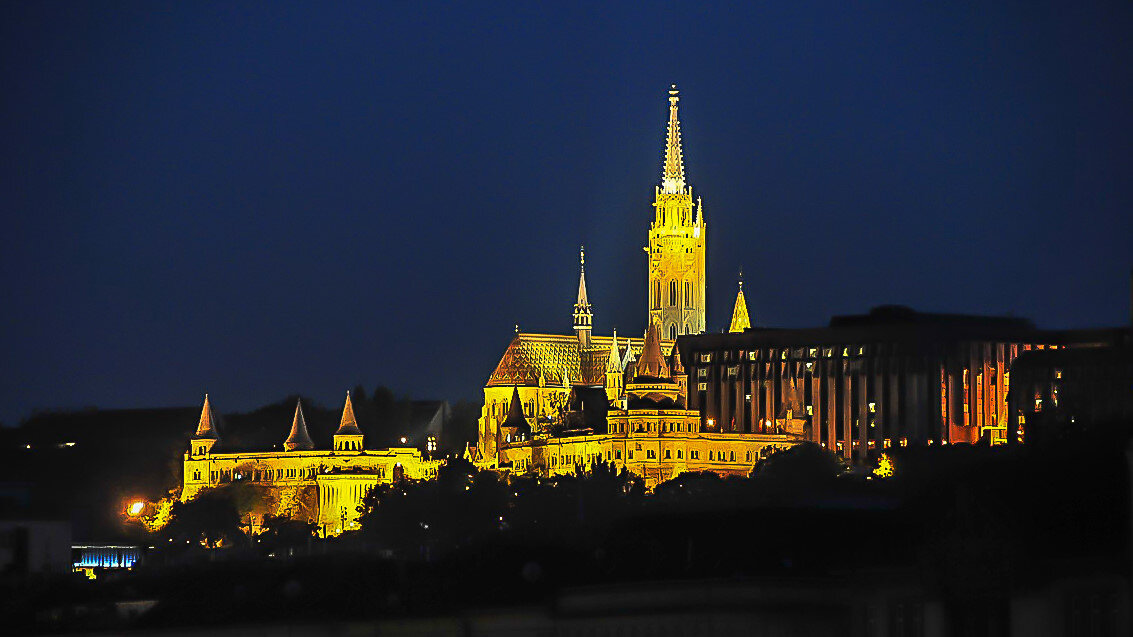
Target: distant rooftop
901	315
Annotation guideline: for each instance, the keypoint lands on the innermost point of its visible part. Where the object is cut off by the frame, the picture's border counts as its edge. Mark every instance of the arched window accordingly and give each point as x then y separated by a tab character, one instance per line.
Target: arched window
688	293
672	292
672	332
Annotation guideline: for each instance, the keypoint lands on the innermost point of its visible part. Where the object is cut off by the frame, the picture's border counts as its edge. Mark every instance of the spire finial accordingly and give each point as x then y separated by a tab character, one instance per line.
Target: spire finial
673	173
741	277
582	256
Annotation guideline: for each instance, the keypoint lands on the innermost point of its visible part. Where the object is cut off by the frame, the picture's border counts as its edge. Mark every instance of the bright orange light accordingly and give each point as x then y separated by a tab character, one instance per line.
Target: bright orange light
136	508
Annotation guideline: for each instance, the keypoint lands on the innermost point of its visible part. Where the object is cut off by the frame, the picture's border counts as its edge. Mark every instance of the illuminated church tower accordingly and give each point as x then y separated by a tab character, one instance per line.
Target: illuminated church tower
676	244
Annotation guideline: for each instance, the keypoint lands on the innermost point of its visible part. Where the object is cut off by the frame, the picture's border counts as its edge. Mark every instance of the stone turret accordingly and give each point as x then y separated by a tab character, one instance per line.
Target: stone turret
348	437
206	435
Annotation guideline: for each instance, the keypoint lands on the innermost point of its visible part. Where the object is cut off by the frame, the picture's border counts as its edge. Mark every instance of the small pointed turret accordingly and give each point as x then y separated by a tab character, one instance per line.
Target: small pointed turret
673	173
614	381
583	316
740	320
299	439
675	364
206	435
614	362
206	427
348	437
515	426
652	362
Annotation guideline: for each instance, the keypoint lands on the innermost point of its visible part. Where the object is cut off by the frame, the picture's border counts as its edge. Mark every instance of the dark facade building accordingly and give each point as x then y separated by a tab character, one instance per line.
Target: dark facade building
893	377
1071	390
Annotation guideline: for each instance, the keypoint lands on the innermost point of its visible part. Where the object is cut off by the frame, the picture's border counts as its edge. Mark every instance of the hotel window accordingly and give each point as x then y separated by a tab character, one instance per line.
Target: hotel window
680	454
668	454
709	455
706	358
196	475
810	410
812	352
630	455
732	456
748	457
702	372
651	454
694	454
702	386
752	356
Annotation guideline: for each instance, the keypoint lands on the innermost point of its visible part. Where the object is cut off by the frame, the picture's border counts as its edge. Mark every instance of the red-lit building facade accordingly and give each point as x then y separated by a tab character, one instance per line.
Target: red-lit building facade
893	377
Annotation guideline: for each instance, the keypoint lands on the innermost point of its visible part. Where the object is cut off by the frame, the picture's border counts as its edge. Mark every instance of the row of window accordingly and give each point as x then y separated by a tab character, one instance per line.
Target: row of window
843	351
664	427
676	290
650	454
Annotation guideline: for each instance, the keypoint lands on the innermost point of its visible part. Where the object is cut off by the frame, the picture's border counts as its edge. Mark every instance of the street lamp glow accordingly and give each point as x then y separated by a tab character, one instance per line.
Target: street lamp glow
136	508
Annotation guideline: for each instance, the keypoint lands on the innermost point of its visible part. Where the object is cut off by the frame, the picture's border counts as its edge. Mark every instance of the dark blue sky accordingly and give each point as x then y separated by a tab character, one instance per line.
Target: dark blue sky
260	199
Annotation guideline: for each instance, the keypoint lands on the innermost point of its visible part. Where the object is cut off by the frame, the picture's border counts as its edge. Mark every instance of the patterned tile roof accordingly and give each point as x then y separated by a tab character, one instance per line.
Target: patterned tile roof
556	357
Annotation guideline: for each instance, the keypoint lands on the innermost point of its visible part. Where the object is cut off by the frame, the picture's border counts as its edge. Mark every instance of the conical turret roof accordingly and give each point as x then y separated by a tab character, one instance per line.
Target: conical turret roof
740	320
299	439
676	367
348	426
652	362
515	417
206	426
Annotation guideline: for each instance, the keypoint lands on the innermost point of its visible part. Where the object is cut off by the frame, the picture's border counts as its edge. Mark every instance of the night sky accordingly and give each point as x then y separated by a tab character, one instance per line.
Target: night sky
262	199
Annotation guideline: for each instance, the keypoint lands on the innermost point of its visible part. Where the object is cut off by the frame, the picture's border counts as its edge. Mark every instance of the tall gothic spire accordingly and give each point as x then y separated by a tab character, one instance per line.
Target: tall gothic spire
673	173
740	319
582	300
583	316
206	426
299	438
